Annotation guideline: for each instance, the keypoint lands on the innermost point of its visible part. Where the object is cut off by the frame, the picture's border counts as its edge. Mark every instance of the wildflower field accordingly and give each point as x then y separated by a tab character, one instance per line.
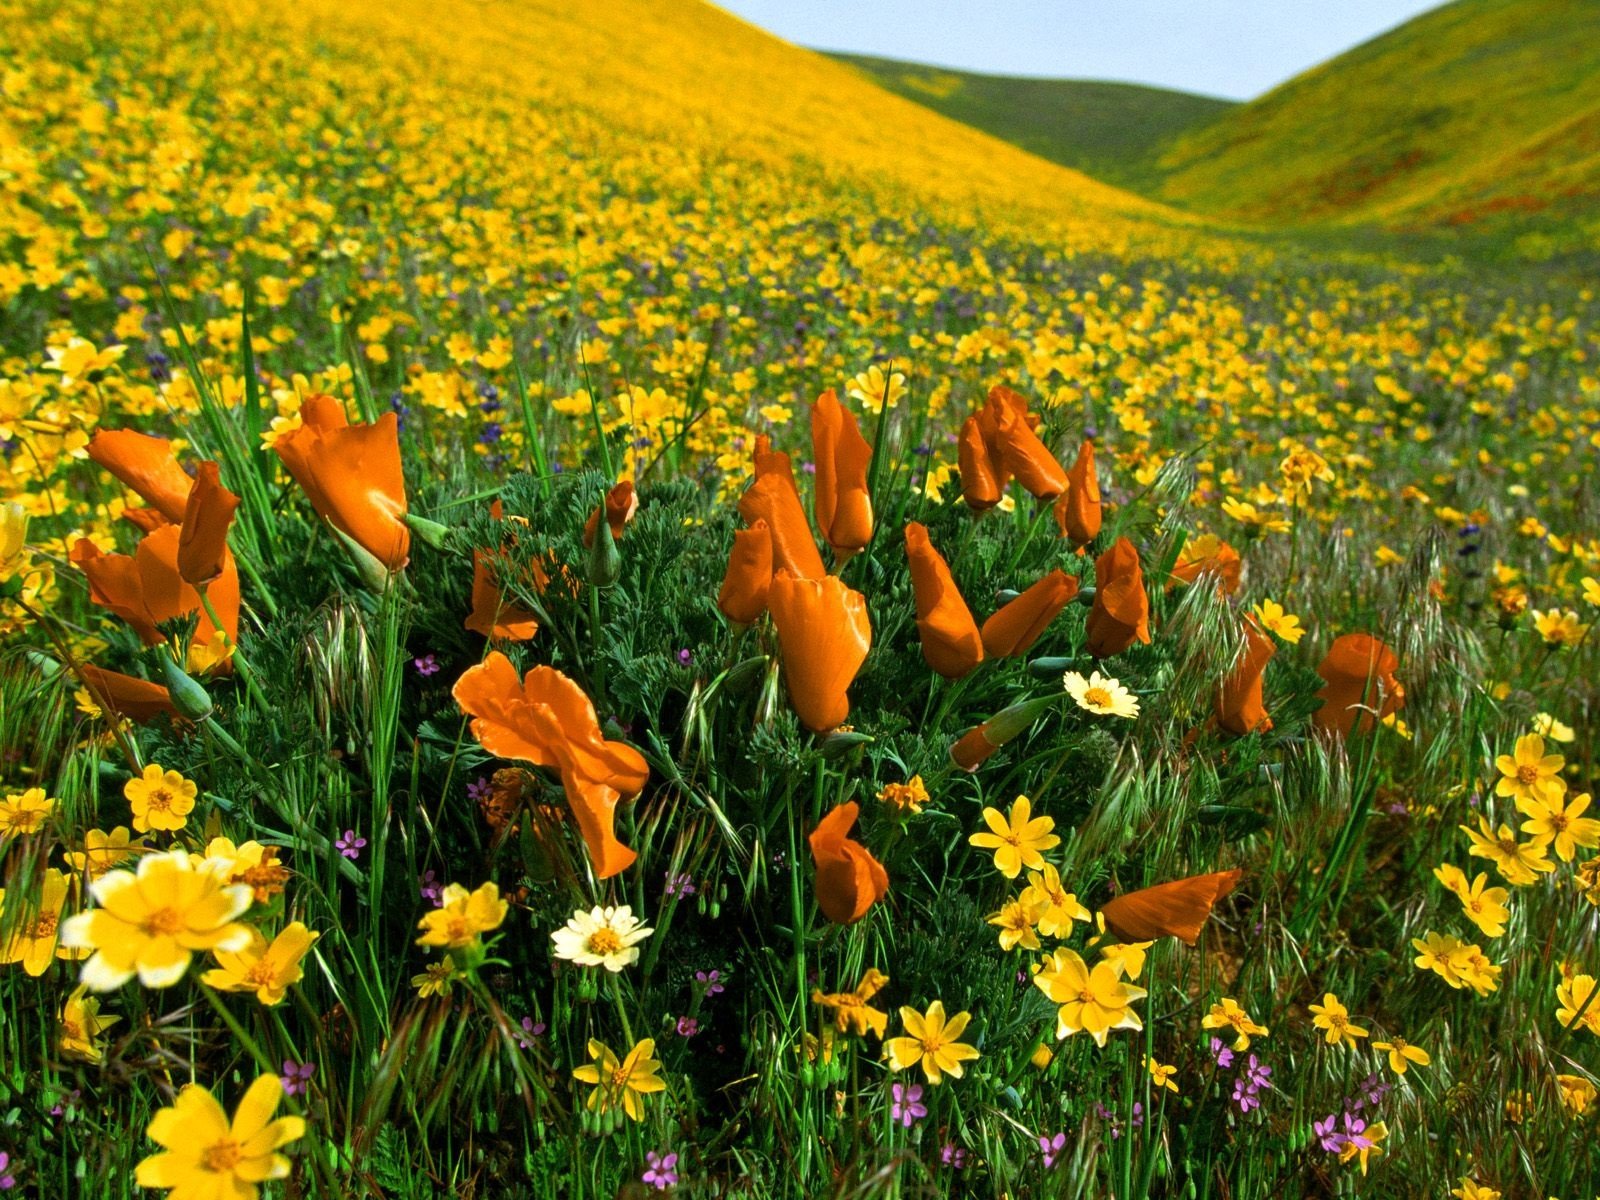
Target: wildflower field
593	606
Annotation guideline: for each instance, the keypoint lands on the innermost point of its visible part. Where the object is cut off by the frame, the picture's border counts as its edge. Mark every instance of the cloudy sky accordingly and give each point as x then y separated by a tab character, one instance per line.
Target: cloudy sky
1233	48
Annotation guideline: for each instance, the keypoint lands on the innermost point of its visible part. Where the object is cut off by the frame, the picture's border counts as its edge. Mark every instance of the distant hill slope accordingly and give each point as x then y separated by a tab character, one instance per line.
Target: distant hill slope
1478	110
1113	131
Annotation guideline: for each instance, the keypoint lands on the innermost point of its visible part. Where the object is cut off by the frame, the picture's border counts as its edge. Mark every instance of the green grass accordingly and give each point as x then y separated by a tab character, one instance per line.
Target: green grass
1114	131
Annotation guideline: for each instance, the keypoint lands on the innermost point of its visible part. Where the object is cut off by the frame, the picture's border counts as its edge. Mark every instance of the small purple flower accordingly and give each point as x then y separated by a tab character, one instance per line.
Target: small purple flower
1051	1147
428	664
428	885
953	1156
907	1107
350	845
7	1179
1329	1139
1244	1097
662	1171
1354	1134
685	657
687	1027
710	980
297	1077
1374	1089
67	1103
530	1032
1257	1075
680	885
479	789
1221	1053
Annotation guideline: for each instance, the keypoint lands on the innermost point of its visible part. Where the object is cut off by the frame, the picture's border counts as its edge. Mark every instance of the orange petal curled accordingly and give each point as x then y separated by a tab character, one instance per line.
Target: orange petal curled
1018	625
620	504
207	517
825	634
1176	909
743	597
145	464
951	643
1121	612
1078	508
843	504
772	498
1358	680
1239	705
849	879
137	699
1024	454
981	483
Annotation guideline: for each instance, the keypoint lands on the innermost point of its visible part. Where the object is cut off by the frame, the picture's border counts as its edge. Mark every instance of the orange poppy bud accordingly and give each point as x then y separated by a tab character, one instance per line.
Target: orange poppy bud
824	633
843	505
979	743
545	719
1121	612
1078	508
981	480
1024	455
1239	706
620	504
352	476
145	589
951	643
1016	626
1358	681
743	597
973	748
1210	555
125	696
145	464
849	879
1176	909
203	537
772	498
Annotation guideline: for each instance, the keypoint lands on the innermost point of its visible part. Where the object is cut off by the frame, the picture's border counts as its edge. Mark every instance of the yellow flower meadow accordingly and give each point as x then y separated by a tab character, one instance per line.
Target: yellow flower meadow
462	917
1528	773
1228	1014
1093	1000
1333	1018
267	969
161	800
24	812
620	1084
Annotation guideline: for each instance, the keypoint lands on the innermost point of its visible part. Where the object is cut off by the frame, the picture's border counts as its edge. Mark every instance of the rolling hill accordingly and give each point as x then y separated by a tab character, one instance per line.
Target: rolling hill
1478	110
1113	131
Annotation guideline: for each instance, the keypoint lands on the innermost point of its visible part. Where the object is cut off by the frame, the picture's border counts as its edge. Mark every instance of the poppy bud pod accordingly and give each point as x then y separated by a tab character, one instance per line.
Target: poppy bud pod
951	643
1018	625
126	696
187	696
824	632
207	516
1358	682
743	597
1121	612
1078	508
604	567
980	481
979	743
849	879
1239	705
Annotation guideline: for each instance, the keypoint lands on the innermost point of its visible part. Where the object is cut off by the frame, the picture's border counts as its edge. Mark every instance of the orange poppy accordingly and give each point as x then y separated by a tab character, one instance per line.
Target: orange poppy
1016	626
1020	449
1176	909
973	748
849	879
545	719
1078	508
124	695
743	597
767	461
824	633
620	504
1121	612
772	498
146	519
145	588
352	476
1239	706
979	743
843	505
951	643
1220	560
145	464
1358	681
203	536
491	614
982	479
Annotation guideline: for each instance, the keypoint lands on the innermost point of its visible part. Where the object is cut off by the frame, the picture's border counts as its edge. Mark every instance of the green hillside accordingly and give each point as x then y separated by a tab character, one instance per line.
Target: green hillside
1479	113
1113	131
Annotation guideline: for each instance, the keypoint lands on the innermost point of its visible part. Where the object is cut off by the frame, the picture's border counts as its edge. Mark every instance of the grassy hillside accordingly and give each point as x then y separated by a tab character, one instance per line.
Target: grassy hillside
1479	110
1114	131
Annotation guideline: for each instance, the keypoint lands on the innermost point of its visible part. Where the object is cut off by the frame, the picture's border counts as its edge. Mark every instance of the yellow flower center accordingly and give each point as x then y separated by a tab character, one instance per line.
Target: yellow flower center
261	974
1528	773
1087	995
1557	821
1335	1021
1097	696
164	921
222	1157
71	1031
1398	1043
159	800
619	1078
45	927
604	941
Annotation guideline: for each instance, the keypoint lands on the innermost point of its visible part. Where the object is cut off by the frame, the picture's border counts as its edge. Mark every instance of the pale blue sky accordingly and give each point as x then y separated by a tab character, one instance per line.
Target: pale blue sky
1233	48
